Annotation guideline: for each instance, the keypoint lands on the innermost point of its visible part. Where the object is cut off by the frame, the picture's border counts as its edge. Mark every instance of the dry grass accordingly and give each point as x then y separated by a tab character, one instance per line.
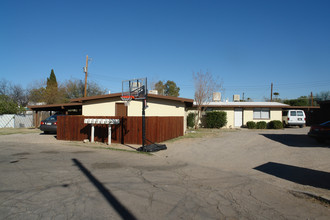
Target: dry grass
202	133
7	131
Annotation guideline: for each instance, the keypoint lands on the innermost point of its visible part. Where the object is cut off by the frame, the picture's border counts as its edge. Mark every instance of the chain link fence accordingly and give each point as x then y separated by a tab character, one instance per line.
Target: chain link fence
16	121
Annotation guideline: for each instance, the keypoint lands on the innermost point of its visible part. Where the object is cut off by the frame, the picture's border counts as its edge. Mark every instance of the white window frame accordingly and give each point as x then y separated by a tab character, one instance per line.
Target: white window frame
261	113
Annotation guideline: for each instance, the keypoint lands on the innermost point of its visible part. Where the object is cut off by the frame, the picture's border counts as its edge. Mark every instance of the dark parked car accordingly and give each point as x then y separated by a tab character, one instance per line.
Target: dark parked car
49	125
320	132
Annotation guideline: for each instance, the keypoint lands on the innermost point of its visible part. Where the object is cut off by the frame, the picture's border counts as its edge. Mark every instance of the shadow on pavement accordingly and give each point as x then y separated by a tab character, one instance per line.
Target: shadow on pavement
113	201
295	140
304	176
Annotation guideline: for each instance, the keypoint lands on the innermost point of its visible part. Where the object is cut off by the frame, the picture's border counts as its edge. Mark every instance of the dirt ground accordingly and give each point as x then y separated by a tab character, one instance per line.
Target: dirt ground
246	174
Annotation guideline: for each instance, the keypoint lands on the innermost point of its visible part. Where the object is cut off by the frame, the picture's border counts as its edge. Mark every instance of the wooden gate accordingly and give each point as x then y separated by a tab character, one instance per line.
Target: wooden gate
129	130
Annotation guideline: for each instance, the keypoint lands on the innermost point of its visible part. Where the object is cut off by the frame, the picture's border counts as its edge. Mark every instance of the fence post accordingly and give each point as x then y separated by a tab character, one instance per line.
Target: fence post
92	134
36	120
109	134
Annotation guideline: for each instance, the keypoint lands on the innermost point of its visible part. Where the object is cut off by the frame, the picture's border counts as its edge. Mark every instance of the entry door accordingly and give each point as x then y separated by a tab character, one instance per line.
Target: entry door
121	109
238	117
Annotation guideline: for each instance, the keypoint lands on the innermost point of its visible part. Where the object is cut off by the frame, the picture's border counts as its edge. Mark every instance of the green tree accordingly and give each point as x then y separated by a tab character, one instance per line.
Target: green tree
301	101
8	106
47	92
51	81
52	94
171	89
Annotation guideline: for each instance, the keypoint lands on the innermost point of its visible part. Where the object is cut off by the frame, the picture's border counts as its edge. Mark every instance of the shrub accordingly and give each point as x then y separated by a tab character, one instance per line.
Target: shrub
261	125
191	120
216	119
251	124
276	124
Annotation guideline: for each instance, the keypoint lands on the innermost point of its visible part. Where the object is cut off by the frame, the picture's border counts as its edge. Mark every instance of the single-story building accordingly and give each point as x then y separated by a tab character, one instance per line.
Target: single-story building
112	105
165	114
239	113
165	118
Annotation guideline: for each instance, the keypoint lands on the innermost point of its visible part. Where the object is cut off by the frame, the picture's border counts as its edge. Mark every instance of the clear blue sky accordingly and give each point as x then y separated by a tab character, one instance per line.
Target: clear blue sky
247	44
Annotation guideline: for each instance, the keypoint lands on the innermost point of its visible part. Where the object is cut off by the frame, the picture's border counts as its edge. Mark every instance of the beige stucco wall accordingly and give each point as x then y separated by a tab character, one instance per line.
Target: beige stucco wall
156	107
275	114
229	111
101	107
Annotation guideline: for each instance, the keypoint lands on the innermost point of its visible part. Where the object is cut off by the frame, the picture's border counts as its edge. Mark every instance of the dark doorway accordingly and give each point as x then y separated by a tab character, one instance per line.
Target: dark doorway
121	109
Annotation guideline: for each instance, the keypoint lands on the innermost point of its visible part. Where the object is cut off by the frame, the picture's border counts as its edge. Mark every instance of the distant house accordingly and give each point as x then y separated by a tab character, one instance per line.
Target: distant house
238	113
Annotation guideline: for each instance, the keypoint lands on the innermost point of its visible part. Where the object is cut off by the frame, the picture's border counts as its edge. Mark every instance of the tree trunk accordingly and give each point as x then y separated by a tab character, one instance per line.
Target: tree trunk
199	110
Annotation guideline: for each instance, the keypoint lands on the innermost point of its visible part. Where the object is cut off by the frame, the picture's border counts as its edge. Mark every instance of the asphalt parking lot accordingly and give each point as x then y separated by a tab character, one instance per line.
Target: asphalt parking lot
246	174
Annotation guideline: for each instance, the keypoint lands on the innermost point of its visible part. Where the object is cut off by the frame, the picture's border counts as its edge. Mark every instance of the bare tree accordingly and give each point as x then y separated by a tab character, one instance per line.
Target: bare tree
4	87
19	95
323	96
205	85
74	88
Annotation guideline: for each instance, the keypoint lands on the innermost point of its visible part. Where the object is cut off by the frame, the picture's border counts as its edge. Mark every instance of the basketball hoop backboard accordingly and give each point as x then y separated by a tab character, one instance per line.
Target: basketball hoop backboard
135	88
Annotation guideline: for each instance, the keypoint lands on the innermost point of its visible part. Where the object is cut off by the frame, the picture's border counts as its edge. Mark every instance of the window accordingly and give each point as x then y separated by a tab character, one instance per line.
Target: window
285	113
261	113
300	113
293	113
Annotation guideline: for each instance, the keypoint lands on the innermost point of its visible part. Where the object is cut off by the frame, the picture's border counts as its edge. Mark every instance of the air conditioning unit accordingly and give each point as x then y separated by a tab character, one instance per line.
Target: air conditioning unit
216	97
155	92
236	98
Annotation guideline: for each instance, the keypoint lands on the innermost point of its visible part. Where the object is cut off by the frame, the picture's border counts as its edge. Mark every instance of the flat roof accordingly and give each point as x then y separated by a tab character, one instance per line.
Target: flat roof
302	107
245	104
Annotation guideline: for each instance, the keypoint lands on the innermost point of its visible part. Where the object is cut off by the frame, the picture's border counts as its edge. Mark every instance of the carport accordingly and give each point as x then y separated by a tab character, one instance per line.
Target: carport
311	112
64	108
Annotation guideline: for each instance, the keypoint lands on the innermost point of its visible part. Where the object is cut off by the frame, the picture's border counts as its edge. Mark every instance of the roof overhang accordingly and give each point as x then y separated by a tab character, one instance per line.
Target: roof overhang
188	102
244	105
302	107
55	107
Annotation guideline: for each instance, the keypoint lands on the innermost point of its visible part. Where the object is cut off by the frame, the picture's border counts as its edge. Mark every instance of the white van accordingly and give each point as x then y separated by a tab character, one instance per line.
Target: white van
294	117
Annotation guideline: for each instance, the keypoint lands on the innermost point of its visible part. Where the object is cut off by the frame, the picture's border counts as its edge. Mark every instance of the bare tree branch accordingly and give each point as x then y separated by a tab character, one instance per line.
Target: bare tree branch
205	85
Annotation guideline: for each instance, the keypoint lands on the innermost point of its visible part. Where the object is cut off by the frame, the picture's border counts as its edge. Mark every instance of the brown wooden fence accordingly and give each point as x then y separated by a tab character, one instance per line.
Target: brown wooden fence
128	131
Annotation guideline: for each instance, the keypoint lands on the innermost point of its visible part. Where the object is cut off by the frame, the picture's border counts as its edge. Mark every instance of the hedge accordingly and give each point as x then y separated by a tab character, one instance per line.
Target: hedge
251	124
191	120
276	124
261	125
216	119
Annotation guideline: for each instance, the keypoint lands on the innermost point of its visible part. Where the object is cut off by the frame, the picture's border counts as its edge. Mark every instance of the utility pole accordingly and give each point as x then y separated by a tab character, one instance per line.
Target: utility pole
85	70
312	103
271	92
